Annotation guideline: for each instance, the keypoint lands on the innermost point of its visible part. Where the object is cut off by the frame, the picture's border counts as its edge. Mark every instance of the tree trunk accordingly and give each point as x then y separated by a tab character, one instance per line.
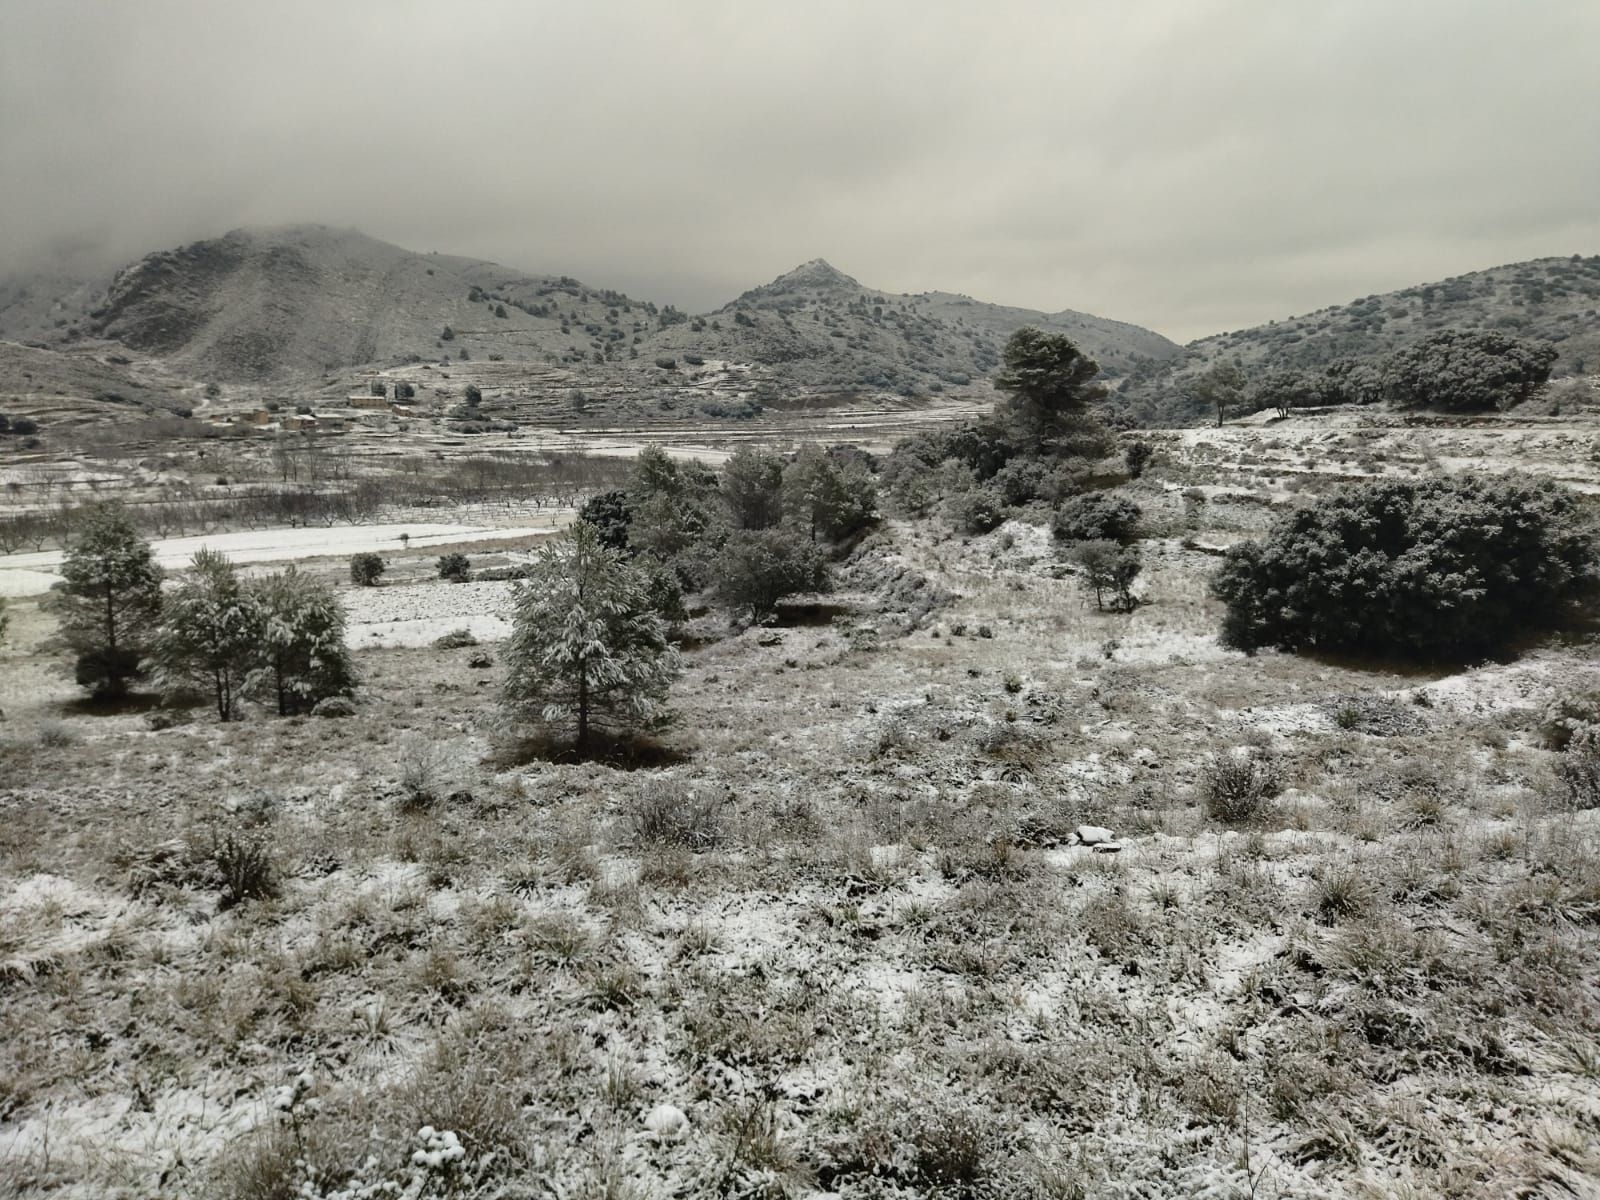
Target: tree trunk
583	710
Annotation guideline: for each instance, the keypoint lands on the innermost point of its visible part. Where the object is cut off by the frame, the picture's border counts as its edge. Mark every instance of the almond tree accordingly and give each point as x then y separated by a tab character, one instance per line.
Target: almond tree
587	648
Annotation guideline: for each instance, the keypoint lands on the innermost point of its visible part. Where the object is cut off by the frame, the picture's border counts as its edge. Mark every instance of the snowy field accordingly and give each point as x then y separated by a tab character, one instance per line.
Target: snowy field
32	574
415	614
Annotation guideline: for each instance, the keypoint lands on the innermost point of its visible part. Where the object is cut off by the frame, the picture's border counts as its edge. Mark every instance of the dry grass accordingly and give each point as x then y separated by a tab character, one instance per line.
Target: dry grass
845	934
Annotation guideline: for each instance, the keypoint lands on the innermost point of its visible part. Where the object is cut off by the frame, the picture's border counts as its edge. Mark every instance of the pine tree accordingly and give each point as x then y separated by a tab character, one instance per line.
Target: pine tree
303	657
752	485
587	648
823	495
1049	385
211	634
112	600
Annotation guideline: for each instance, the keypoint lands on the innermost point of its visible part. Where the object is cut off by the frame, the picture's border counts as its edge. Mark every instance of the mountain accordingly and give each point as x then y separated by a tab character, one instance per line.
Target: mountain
257	305
274	305
826	330
1553	299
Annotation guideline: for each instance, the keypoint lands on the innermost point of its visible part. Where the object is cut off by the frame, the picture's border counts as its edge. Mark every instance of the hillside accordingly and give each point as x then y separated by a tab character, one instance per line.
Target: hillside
1554	299
304	300
79	385
268	306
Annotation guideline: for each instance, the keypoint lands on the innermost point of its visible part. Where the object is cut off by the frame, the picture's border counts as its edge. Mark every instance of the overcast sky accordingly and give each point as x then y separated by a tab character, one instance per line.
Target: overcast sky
1188	165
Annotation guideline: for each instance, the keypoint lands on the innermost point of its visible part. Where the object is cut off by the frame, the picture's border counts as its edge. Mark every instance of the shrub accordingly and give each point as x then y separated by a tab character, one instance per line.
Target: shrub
759	567
245	868
1567	716
456	639
421	776
1578	772
665	812
455	568
1467	370
1235	788
1440	569
1098	516
667	364
1136	456
978	510
365	569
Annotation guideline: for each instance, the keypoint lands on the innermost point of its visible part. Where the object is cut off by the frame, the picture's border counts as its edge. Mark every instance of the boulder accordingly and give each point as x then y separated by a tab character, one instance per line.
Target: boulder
1091	835
667	1123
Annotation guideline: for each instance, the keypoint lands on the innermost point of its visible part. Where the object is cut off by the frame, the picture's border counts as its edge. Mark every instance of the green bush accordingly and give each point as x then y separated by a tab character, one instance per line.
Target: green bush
976	511
1136	456
1098	516
1438	570
759	567
365	569
455	568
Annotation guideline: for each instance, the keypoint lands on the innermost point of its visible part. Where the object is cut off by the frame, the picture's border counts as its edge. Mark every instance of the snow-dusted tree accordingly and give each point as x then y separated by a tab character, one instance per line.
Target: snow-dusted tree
302	656
587	650
112	600
210	635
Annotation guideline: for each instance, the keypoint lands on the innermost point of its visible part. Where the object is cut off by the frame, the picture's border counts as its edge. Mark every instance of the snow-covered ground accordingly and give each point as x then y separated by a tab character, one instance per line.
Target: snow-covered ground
25	583
415	614
32	574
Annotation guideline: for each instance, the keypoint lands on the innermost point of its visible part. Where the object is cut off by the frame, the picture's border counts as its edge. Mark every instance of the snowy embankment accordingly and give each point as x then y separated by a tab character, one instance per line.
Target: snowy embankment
32	574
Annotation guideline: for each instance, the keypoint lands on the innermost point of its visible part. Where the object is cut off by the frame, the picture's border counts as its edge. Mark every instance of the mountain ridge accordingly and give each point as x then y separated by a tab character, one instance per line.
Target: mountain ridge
257	305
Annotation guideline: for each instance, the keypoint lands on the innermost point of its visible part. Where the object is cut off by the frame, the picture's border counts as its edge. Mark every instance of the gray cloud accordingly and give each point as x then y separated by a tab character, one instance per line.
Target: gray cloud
1191	165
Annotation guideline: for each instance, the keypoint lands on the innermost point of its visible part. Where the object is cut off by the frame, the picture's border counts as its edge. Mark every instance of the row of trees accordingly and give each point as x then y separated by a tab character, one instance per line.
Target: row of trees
1452	370
279	638
556	479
